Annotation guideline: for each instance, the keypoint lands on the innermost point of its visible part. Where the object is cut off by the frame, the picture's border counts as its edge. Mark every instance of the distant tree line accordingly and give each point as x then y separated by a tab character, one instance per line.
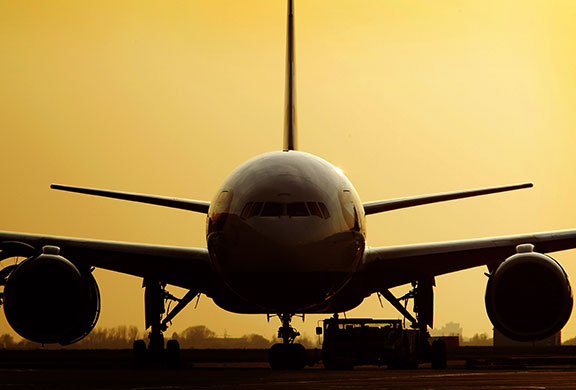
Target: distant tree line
122	337
202	338
119	337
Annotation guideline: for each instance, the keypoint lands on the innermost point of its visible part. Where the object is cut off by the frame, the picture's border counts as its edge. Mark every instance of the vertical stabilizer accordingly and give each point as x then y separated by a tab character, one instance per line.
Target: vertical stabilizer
290	114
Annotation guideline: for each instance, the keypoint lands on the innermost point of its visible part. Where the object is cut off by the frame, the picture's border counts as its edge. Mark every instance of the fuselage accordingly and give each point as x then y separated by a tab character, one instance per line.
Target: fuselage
286	231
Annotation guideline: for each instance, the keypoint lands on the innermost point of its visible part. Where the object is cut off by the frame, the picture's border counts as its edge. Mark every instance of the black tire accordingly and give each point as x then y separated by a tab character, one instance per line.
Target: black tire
173	354
277	357
139	353
296	357
438	355
287	357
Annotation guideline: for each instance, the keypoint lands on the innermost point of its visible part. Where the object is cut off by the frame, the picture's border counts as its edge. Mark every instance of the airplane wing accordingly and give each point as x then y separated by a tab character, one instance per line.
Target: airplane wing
179	266
175	203
395	204
389	267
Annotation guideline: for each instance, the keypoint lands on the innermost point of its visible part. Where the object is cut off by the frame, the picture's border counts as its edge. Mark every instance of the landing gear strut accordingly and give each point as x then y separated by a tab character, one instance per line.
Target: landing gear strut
156	298
287	355
422	294
286	332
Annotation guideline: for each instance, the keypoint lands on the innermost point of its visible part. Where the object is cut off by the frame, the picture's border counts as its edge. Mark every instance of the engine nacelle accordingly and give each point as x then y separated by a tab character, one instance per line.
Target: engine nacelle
47	299
529	297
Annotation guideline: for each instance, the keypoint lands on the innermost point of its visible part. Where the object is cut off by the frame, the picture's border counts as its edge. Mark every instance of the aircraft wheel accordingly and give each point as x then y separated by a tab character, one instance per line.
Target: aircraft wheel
138	353
296	357
438	353
276	357
173	354
287	357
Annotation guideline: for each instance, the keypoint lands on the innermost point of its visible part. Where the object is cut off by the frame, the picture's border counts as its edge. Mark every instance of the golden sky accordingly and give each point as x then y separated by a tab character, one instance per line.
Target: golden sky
407	97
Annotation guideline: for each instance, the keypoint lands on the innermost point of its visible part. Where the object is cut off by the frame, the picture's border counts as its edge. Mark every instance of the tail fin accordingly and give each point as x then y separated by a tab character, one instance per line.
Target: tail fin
290	115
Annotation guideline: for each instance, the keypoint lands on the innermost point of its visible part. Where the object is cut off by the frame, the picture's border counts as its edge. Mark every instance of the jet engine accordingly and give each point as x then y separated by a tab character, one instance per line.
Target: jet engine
528	297
47	299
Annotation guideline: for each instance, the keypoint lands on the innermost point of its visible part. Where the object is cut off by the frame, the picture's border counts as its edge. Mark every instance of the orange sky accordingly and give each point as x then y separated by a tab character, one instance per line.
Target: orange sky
408	98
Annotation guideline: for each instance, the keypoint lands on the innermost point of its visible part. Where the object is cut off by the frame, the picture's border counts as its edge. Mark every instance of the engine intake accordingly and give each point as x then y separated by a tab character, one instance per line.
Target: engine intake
47	299
529	297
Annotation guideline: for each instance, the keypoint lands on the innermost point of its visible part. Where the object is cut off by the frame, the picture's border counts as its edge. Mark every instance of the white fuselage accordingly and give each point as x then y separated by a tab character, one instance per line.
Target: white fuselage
286	231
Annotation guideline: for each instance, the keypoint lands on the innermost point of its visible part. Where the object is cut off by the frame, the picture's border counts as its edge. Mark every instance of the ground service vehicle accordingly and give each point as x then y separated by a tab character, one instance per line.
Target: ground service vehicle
365	341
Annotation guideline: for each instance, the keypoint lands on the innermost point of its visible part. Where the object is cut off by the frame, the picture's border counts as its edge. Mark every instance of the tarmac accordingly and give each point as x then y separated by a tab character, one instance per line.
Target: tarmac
90	370
252	376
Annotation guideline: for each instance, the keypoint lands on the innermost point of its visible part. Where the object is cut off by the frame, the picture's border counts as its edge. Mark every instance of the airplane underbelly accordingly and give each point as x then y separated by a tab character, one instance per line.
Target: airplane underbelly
288	292
285	276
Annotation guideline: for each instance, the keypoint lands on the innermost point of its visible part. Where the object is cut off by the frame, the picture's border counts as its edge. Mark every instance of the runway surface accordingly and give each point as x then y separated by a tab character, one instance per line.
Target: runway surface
258	376
247	369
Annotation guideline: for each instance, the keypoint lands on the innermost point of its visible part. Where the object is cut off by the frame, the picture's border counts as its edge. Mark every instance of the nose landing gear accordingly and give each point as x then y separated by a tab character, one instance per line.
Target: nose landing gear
287	355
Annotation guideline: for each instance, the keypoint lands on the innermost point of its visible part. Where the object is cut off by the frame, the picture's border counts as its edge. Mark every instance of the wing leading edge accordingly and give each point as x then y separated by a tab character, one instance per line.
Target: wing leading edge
175	203
179	266
387	267
395	204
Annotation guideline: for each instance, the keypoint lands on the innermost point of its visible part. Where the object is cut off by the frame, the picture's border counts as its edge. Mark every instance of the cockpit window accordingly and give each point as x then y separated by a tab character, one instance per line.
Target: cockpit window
324	210
251	209
277	209
314	209
246	210
272	209
255	210
297	209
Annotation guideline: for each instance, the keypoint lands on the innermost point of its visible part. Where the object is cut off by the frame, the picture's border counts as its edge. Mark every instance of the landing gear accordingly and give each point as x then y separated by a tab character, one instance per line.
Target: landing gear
438	355
173	354
156	298
422	294
139	354
287	355
155	295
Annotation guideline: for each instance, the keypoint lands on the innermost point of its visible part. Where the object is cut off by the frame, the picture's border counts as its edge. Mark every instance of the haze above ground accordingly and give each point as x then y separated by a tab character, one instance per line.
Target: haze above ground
409	98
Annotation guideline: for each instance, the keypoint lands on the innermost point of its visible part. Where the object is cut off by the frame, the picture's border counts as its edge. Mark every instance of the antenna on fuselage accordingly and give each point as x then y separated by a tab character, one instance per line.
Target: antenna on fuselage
290	114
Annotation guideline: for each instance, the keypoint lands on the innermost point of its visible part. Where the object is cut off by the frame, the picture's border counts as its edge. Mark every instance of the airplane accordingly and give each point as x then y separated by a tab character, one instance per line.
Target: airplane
286	235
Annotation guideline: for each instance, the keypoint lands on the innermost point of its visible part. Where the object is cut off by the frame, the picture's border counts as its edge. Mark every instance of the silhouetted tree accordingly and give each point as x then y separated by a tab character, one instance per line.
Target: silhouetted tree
120	337
200	337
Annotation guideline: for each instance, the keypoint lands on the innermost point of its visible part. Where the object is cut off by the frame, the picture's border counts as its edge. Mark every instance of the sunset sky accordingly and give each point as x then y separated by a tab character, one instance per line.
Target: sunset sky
406	97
